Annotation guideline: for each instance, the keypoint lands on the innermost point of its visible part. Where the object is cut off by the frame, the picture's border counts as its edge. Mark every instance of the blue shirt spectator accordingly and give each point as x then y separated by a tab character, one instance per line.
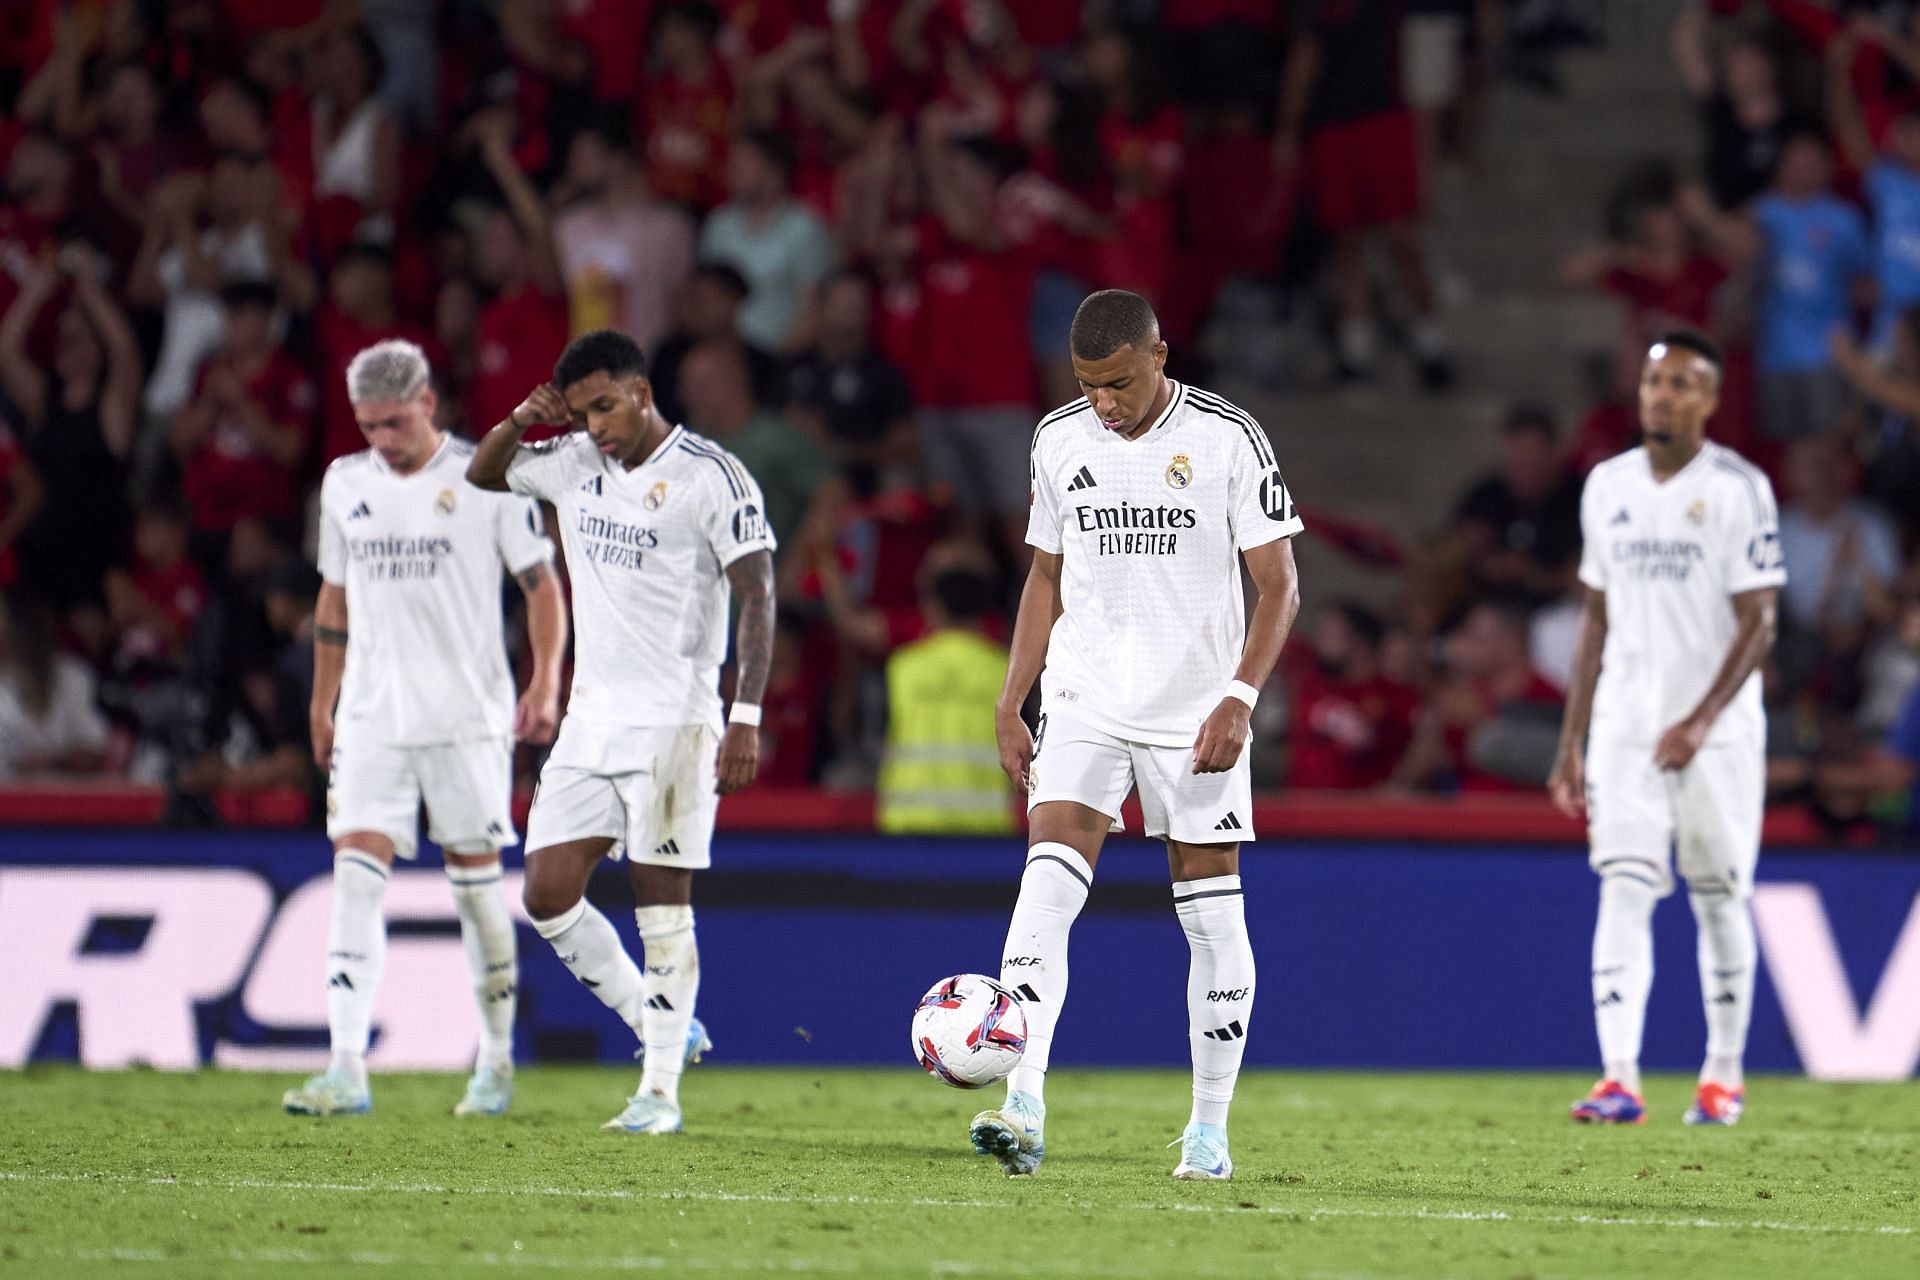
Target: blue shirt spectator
1893	189
1815	247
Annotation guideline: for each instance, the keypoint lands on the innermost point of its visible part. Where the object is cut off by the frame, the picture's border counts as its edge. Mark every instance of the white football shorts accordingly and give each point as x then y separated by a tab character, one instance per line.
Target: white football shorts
649	790
467	787
1642	820
1074	761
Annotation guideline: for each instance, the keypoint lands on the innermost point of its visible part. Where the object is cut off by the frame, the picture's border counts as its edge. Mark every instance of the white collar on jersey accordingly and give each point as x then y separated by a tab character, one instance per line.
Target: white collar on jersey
1646	460
446	442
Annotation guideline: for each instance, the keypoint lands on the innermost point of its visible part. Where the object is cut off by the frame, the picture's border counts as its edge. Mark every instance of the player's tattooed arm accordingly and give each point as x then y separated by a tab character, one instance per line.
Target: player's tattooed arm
329	666
1567	784
537	716
751	577
494	454
1756	617
1223	736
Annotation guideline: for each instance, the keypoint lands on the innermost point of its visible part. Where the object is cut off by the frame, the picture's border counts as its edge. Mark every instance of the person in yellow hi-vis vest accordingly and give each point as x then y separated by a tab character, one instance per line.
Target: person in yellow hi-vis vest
941	774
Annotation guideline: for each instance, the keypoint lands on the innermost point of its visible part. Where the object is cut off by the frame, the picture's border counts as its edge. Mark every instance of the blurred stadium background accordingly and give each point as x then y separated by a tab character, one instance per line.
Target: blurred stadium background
1422	242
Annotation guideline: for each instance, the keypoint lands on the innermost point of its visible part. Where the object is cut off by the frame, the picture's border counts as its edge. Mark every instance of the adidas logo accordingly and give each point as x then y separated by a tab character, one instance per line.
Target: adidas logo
1083	480
1026	992
340	980
670	849
588	983
1611	998
1726	997
1228	823
660	1003
360	509
594	486
1621	517
1232	1031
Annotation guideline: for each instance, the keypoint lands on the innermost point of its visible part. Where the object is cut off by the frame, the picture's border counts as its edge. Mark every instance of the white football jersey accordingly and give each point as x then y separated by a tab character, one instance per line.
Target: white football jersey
1670	558
1153	618
647	551
420	557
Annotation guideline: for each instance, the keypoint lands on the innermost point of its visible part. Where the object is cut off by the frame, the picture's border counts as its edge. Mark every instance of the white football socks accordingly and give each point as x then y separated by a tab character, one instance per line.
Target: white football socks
1053	888
587	944
486	934
1728	957
356	955
671	982
1219	988
1622	973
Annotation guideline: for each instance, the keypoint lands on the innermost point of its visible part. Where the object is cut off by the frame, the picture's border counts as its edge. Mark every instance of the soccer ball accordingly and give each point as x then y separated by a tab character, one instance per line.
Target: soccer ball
969	1031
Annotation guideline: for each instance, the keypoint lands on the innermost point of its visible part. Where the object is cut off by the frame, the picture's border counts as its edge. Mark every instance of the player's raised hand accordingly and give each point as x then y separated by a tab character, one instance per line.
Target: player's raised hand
544	406
1567	784
1223	737
1016	747
537	715
739	757
1678	745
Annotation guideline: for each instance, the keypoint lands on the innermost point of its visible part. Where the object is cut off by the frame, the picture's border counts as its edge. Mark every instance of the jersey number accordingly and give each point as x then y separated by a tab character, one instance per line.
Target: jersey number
1274	497
1763	550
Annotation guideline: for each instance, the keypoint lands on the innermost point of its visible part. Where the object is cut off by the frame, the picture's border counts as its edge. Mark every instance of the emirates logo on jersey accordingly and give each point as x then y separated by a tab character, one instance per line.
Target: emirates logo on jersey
656	497
1180	471
444	503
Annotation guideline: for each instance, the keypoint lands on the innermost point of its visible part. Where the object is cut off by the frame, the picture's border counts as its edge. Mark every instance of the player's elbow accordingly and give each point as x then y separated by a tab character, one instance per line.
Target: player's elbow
484	477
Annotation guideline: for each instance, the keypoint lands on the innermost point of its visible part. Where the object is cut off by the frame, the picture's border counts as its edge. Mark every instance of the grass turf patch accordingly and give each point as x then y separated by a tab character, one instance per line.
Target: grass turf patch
867	1173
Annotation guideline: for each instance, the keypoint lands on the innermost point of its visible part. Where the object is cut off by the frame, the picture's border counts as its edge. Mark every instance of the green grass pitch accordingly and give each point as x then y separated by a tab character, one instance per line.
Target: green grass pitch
866	1173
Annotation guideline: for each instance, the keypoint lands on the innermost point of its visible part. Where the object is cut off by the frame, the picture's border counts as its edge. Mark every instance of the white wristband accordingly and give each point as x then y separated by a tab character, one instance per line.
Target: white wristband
744	713
1245	692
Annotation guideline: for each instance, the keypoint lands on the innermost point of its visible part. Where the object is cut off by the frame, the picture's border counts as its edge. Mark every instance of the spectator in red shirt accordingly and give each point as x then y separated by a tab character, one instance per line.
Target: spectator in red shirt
359	311
1143	142
1349	723
241	439
686	112
524	324
1492	718
975	367
1345	123
155	600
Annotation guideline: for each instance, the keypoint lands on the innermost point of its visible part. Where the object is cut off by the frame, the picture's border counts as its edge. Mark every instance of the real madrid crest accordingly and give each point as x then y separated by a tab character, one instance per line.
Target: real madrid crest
1180	471
444	503
656	496
1697	513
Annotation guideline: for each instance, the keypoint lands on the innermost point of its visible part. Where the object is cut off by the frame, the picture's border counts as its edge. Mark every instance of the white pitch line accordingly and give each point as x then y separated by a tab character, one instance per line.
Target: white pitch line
930	1202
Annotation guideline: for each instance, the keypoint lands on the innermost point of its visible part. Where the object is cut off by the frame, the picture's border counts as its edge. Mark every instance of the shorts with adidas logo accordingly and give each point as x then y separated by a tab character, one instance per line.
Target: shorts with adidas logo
650	790
1079	762
467	787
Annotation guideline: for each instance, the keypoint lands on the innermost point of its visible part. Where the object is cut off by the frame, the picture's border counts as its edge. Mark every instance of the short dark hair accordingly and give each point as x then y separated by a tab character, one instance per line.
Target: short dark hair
602	351
368	47
777	147
374	255
1528	416
1690	340
699	15
726	275
1362	621
242	294
1109	320
964	593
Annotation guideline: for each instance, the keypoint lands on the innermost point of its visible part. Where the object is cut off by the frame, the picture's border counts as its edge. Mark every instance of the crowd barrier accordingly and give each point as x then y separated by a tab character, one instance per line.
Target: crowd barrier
177	950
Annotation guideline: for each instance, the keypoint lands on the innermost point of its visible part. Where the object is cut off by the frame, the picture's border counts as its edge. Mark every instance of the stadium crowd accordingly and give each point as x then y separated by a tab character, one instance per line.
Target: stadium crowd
849	235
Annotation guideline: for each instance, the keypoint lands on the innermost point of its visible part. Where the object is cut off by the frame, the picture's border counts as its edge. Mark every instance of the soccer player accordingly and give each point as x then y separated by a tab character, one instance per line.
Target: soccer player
1682	566
660	527
415	702
1147	498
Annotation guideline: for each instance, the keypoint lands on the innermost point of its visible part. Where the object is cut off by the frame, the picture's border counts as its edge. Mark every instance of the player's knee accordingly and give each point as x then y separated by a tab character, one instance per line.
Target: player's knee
547	901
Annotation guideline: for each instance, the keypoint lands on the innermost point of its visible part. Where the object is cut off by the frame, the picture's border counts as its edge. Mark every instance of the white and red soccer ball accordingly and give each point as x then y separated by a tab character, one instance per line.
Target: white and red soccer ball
969	1031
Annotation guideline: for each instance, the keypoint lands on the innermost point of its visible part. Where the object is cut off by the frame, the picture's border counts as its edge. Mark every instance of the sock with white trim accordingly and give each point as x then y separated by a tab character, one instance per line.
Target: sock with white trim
587	944
1053	888
356	956
1622	974
486	935
1728	956
669	985
1219	988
